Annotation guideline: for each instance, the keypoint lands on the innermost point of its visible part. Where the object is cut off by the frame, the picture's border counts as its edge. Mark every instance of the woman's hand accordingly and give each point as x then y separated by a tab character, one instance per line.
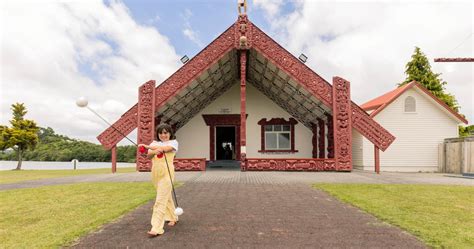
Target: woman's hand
158	151
144	145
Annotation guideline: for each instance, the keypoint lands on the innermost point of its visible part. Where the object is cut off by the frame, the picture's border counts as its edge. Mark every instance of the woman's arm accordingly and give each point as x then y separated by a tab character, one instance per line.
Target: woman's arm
156	150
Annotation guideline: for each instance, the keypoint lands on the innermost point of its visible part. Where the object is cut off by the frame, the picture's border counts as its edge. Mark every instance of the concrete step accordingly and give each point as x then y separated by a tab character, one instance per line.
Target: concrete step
223	164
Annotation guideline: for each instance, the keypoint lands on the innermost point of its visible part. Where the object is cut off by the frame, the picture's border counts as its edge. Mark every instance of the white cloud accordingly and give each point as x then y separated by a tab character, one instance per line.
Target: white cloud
154	20
53	52
270	7
188	31
369	43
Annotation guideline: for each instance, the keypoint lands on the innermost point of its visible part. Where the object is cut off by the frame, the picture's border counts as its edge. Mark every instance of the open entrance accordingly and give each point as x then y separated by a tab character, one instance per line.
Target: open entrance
225	143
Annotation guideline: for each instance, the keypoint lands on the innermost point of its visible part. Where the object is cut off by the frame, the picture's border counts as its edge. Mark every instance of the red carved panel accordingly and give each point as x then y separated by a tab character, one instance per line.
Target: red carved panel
189	164
243	31
330	136
454	59
146	121
126	124
316	85
243	161
370	129
321	136
286	164
243	123
342	125
221	119
278	121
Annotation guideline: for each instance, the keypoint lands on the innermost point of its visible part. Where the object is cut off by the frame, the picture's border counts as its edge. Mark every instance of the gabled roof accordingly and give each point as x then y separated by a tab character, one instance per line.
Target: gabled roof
271	69
384	99
378	104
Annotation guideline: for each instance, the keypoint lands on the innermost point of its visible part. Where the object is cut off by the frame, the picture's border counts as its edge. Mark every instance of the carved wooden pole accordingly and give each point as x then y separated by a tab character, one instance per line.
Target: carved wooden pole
243	142
322	141
243	44
330	135
342	125
146	121
377	159
114	159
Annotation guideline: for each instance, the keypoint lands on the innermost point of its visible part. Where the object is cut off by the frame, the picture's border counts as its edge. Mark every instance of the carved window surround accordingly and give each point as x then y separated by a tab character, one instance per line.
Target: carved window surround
277	121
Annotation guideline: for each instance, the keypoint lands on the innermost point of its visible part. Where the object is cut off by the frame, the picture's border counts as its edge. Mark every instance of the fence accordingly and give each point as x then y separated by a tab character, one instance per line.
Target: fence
456	155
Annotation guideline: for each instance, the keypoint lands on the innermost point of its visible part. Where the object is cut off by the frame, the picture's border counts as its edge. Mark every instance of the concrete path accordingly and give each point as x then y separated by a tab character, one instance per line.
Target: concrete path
248	212
216	175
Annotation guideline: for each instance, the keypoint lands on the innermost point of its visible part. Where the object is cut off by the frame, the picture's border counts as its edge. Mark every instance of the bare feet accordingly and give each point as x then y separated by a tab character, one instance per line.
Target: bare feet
172	223
152	234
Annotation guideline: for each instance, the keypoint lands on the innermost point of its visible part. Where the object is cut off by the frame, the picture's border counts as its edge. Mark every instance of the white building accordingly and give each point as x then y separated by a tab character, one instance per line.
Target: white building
418	120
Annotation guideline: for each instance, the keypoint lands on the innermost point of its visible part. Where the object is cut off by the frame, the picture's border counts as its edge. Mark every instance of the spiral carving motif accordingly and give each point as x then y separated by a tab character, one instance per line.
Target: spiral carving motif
304	164
192	164
146	121
342	131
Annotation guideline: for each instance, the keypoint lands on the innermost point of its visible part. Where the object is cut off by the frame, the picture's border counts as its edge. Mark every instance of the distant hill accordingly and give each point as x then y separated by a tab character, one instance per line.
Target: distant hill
56	147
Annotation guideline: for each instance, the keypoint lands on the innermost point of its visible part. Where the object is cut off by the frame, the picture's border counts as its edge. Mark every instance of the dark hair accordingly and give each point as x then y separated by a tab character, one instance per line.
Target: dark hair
167	128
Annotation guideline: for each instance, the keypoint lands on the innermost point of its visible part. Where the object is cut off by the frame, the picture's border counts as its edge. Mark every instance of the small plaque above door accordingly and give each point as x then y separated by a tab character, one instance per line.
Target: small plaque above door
224	110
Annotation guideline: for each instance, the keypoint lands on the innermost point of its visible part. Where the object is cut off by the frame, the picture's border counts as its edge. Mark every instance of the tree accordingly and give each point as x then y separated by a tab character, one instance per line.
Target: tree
21	136
466	131
419	69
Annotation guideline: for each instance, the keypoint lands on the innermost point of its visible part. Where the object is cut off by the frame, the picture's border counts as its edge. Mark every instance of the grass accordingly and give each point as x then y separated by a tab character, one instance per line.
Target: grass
11	176
441	216
55	216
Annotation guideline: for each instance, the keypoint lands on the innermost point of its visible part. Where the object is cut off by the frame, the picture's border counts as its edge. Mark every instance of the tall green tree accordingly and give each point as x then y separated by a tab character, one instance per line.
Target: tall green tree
419	69
466	131
22	135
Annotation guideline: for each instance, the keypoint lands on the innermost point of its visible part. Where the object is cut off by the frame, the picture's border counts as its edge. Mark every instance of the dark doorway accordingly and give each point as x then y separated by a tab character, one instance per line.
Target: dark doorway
225	143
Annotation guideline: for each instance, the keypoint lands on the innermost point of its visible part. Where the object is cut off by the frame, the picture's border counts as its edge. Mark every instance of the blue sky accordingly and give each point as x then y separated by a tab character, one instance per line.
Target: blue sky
52	51
207	19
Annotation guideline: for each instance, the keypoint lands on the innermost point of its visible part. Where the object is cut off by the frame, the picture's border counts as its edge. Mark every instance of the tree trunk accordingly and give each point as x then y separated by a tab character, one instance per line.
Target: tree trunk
20	153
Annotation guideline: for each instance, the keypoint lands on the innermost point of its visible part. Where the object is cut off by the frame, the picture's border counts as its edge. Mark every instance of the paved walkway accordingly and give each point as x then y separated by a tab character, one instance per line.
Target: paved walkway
246	214
233	209
217	176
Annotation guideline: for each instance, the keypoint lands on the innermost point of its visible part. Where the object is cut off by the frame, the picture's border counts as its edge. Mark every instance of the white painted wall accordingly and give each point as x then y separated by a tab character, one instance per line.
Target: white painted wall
417	135
258	107
357	149
194	136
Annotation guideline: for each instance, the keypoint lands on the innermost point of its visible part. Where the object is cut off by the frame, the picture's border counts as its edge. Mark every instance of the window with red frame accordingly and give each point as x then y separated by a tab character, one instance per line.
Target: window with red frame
277	135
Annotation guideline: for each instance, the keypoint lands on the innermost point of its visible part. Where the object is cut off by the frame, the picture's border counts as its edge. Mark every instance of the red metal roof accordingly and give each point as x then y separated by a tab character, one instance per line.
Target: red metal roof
379	103
385	99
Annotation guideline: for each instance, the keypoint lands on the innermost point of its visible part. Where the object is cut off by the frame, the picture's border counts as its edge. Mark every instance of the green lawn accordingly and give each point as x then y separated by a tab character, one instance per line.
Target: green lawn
10	176
53	216
441	216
